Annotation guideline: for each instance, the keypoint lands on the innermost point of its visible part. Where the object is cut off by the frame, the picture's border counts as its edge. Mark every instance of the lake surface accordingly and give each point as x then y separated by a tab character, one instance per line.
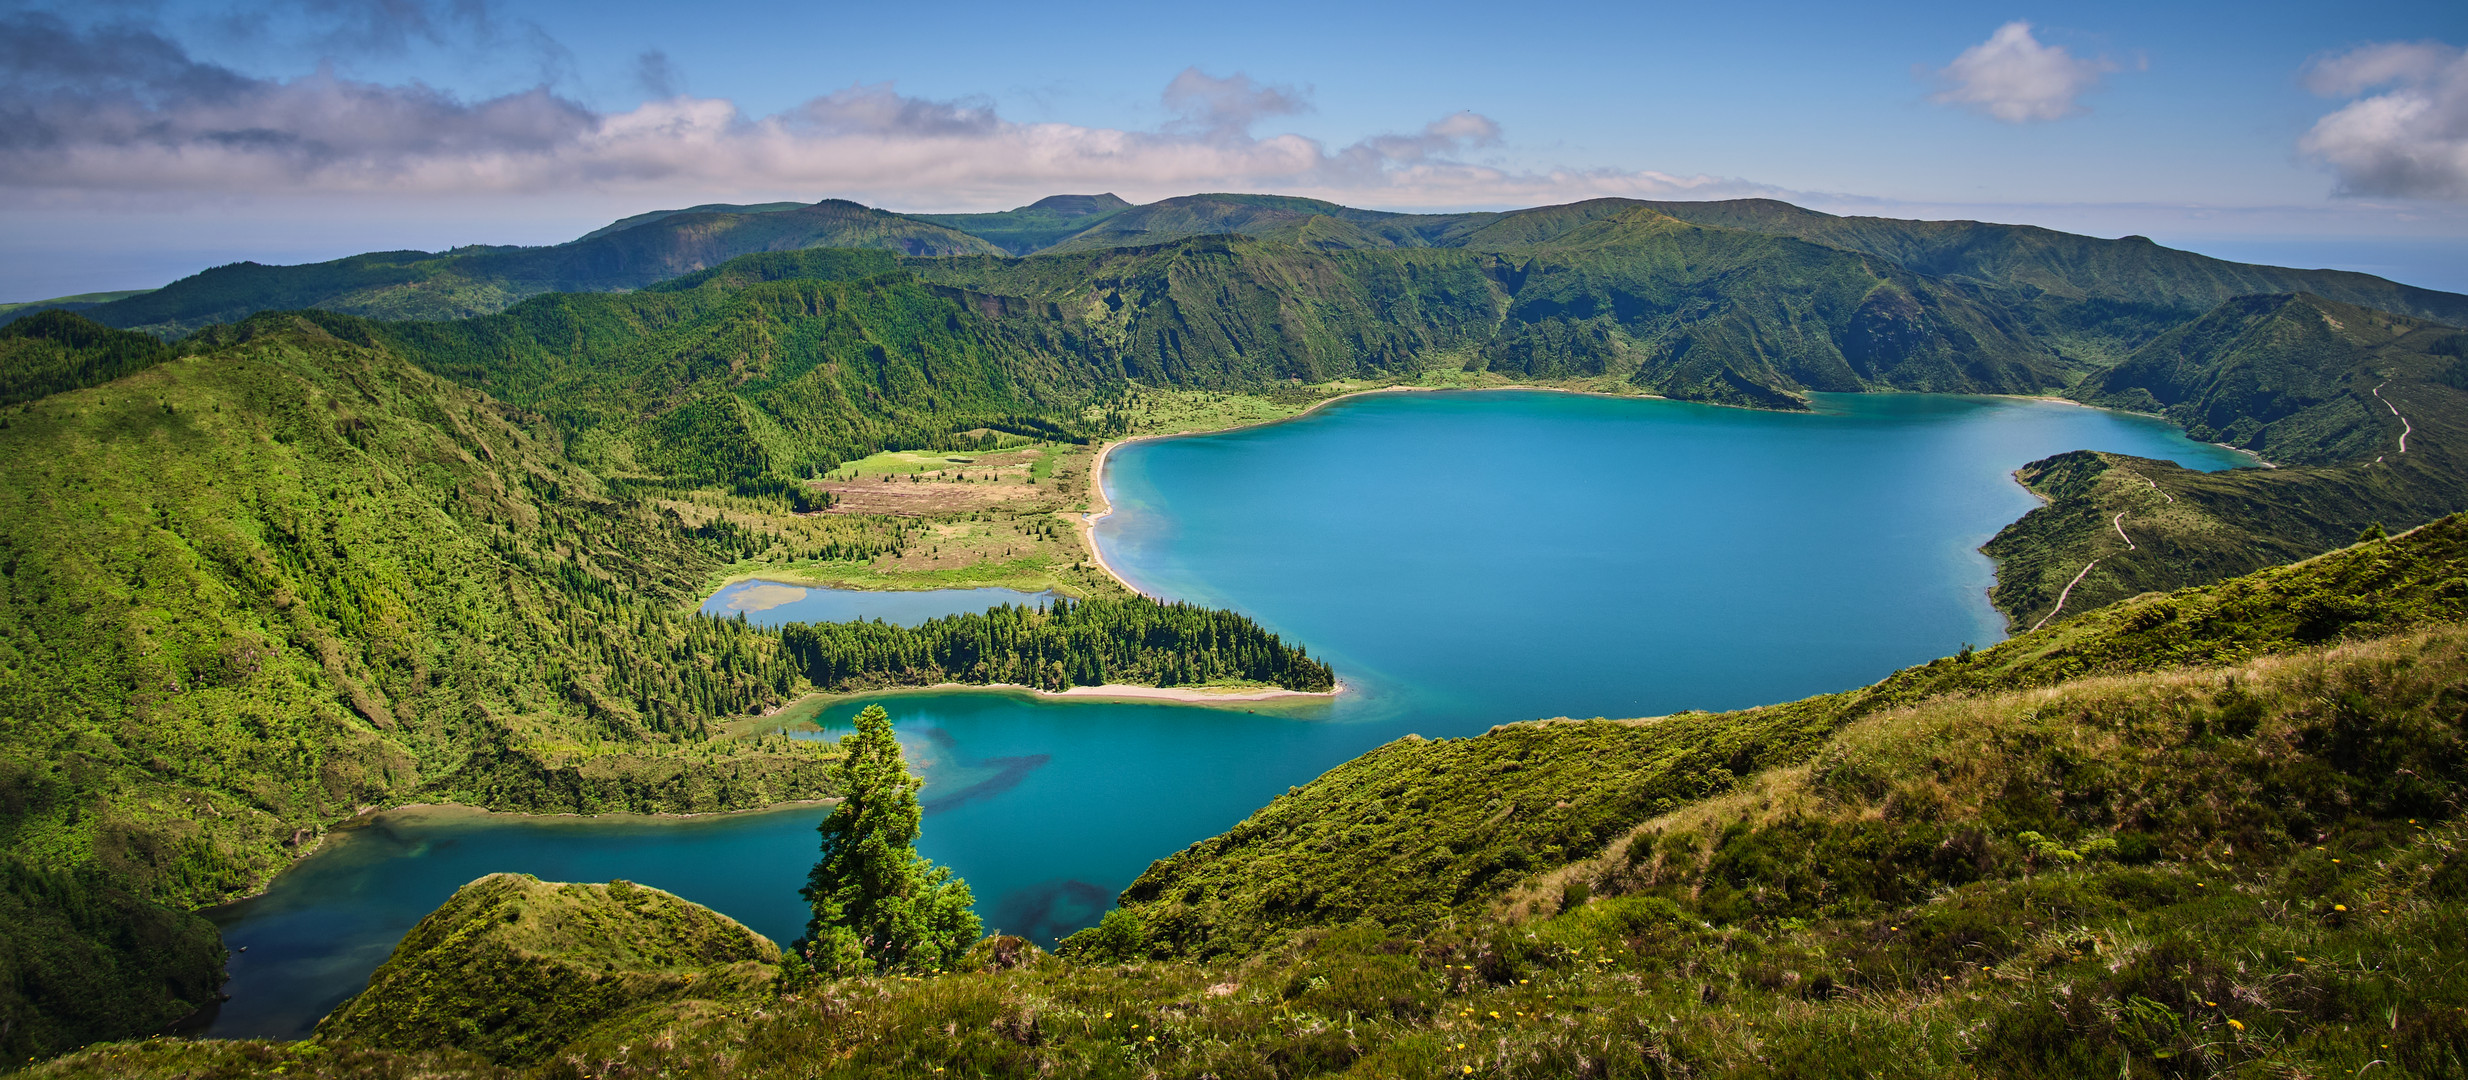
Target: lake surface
777	603
1463	559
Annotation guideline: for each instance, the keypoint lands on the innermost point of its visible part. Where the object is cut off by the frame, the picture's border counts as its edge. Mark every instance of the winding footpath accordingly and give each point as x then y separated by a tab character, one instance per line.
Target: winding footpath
2117	523
2404	428
2069	591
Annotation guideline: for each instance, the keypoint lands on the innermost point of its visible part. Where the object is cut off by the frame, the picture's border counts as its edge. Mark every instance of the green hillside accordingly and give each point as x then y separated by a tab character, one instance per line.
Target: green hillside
2214	833
479	280
1673	309
736	379
54	351
2066	268
250	590
2298	378
512	969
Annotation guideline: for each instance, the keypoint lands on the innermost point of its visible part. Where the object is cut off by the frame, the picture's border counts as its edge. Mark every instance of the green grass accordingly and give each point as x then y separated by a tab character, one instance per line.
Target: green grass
512	969
1032	575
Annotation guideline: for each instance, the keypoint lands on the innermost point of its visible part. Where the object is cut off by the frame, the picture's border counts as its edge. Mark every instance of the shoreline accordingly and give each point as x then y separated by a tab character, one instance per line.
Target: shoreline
466	810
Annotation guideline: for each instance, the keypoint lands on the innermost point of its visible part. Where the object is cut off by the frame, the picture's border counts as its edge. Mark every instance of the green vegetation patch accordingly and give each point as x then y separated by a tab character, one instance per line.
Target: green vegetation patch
246	592
54	351
511	968
1095	642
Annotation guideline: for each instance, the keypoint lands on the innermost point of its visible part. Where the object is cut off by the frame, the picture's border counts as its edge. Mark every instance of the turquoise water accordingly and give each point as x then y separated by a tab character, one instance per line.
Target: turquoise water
1463	559
774	603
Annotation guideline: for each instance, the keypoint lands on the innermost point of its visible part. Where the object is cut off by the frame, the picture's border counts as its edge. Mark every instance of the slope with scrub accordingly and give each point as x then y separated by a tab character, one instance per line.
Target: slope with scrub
246	592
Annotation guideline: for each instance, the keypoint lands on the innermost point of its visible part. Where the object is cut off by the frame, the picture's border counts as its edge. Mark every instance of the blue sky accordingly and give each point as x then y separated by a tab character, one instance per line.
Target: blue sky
147	140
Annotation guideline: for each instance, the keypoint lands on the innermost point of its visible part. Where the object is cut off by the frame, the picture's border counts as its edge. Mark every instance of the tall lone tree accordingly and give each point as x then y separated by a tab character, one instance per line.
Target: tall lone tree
878	906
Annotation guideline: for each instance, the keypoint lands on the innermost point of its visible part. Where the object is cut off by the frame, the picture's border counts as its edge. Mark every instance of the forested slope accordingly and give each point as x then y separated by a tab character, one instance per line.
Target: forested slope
1670	308
770	369
245	592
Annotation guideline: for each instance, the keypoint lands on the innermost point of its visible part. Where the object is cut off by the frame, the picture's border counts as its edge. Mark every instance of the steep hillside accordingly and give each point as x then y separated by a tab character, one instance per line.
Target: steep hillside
2103	279
1702	314
473	281
736	378
2292	377
246	592
1227	311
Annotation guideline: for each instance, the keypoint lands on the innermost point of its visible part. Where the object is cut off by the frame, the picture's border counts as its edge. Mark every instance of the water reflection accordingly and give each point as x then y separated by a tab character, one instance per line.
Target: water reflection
1049	910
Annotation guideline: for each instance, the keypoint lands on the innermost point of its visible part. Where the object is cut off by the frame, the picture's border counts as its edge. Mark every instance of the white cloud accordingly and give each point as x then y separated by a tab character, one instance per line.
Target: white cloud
2014	78
1228	107
93	113
2411	139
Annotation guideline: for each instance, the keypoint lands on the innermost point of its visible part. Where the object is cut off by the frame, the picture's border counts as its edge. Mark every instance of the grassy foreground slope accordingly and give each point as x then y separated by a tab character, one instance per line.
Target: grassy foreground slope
2209	834
512	969
246	592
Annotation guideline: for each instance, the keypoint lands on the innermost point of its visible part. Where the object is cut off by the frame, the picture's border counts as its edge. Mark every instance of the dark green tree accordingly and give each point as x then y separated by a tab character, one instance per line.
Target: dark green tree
879	906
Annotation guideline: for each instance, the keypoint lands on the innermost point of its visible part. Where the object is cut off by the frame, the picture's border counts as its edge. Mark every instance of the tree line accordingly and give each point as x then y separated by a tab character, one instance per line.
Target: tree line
1055	647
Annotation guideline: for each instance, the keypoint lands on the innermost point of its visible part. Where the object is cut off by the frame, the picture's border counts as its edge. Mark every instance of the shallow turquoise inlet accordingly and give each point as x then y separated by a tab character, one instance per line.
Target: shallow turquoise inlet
1463	559
775	603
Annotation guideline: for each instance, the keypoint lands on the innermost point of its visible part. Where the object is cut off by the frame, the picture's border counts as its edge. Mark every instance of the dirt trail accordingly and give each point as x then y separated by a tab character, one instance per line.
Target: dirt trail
2404	428
2069	591
2117	523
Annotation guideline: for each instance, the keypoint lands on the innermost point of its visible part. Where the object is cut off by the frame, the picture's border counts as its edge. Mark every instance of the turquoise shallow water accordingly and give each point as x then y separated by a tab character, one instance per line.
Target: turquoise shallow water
1463	559
774	603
